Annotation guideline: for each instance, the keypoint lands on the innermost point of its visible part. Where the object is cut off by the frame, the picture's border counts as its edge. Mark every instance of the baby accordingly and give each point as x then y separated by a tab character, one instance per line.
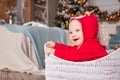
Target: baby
83	34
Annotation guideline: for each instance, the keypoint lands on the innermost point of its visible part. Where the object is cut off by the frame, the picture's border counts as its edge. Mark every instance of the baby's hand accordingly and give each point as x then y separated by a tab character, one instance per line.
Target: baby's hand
50	44
49	51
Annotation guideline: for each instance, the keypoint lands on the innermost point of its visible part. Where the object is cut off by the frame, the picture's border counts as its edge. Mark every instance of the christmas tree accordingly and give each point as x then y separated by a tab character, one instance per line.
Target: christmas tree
67	9
73	8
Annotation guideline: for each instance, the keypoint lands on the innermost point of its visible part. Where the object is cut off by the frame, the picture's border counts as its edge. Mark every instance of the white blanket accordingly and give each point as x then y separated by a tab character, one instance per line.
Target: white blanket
16	52
106	68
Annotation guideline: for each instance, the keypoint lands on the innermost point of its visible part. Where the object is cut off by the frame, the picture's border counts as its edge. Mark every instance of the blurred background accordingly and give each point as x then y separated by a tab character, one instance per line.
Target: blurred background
56	13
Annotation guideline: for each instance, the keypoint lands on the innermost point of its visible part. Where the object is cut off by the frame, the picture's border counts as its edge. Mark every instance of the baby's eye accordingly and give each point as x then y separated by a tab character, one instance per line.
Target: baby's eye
70	32
77	30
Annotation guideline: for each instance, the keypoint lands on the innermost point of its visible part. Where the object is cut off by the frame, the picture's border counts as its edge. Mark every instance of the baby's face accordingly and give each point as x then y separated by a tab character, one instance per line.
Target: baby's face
76	34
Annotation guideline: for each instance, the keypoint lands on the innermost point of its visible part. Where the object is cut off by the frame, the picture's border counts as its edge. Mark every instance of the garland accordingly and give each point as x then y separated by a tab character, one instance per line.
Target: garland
105	16
72	8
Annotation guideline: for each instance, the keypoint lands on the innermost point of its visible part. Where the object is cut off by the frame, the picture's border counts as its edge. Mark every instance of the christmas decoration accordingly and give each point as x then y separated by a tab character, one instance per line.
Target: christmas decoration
72	8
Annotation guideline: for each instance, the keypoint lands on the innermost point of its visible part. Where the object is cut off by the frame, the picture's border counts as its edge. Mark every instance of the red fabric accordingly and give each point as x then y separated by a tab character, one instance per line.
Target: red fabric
90	49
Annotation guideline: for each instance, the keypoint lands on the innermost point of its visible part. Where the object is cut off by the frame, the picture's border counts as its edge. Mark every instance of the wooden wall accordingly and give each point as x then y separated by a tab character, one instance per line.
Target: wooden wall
50	7
51	11
29	10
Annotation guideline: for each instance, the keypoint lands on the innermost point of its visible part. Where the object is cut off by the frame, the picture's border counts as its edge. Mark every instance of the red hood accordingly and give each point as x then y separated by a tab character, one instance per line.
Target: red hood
89	26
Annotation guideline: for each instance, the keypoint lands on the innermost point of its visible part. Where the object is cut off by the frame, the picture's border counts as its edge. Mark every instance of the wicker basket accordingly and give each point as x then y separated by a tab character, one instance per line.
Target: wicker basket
105	68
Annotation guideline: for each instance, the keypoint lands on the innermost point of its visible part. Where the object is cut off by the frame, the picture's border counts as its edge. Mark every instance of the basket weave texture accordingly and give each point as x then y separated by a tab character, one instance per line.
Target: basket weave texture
105	68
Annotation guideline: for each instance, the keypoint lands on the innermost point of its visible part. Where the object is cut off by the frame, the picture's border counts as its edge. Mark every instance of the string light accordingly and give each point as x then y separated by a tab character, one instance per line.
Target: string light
71	8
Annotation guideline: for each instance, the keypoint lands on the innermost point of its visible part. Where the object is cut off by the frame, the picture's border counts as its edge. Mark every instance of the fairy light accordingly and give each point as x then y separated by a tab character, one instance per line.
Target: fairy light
72	8
104	35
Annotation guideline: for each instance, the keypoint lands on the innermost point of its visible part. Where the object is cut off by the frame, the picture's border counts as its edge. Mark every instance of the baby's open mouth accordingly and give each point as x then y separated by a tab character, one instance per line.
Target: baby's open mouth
76	39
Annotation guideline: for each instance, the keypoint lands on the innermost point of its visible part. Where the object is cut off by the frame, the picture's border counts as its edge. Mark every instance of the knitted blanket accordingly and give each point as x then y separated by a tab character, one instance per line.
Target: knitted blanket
105	68
38	37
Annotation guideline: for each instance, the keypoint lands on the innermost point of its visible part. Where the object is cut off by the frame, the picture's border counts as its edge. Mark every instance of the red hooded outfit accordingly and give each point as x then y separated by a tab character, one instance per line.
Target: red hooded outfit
90	49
